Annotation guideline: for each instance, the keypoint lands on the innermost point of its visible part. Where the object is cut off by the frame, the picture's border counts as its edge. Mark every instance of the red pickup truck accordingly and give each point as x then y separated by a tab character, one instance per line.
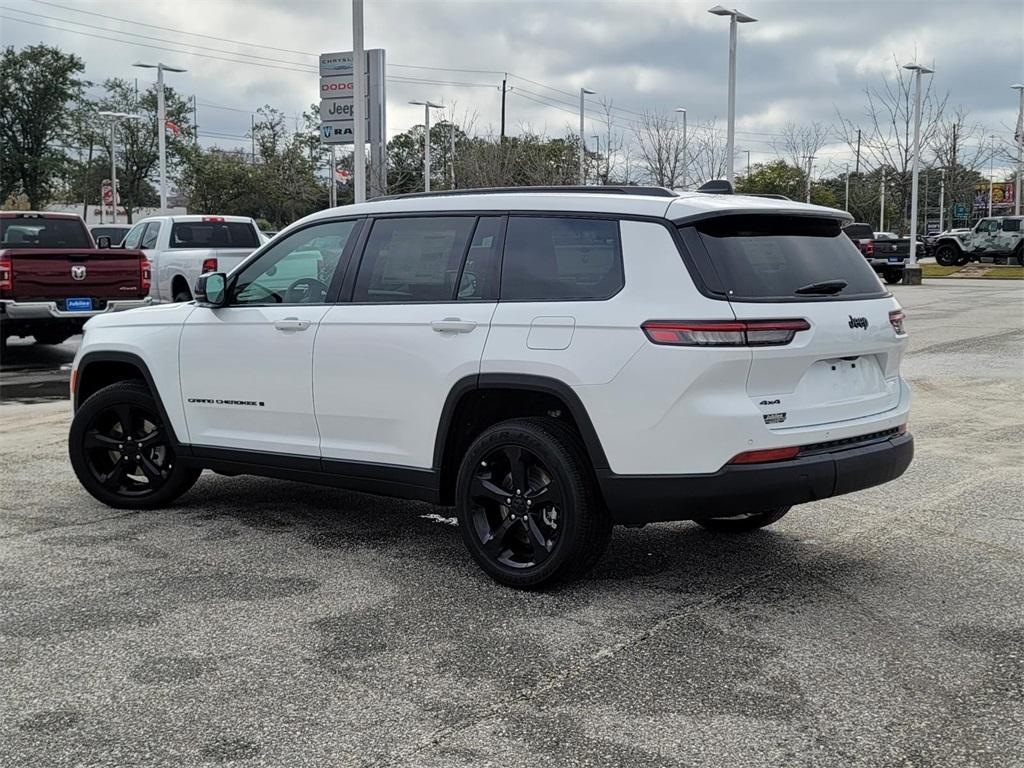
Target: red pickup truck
54	277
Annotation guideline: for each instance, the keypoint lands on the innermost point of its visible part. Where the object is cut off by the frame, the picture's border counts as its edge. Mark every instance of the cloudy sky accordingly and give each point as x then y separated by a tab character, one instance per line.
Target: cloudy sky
801	62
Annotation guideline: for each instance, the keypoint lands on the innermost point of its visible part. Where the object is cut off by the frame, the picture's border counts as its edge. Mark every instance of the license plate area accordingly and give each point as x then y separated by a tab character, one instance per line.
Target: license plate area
895	260
78	305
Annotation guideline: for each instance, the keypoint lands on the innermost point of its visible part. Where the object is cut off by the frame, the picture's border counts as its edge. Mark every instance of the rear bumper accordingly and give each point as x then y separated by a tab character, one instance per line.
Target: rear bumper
737	488
886	264
50	310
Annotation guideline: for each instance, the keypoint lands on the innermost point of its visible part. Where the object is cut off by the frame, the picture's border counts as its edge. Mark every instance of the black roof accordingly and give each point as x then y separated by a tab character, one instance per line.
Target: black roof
609	190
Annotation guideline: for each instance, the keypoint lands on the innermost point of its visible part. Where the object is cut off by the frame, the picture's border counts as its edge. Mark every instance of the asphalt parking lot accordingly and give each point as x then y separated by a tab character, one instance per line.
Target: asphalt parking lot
263	623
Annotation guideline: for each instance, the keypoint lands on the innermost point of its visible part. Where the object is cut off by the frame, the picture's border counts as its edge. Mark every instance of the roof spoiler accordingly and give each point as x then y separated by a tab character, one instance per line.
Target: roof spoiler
716	187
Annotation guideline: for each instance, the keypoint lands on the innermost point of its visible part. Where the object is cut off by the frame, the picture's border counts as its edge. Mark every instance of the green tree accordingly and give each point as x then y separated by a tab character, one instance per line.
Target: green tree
218	181
137	142
39	86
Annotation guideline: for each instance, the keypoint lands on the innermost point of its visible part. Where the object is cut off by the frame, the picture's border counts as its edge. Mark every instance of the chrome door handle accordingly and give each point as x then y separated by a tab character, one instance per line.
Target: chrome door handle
453	325
291	324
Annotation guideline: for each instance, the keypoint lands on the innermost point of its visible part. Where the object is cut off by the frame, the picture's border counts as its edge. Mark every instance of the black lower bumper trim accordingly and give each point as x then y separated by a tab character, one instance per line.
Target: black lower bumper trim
738	488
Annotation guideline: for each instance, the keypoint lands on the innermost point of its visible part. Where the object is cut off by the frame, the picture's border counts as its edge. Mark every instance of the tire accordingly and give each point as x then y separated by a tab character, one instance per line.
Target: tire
182	296
947	255
504	531
744	523
1020	255
51	337
116	416
893	276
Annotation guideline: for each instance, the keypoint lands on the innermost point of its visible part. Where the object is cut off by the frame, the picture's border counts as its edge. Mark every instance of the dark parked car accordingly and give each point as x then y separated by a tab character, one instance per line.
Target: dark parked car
887	254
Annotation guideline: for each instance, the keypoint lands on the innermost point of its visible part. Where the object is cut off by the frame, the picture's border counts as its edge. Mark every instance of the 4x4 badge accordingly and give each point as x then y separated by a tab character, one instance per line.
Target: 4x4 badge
858	322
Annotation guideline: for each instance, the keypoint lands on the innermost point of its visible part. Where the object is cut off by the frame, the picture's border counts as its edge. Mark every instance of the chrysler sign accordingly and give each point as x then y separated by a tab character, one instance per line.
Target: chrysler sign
337	113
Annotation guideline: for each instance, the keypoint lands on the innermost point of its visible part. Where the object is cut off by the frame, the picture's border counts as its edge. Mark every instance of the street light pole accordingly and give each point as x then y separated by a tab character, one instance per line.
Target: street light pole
427	105
942	200
991	172
597	143
583	144
113	157
358	103
161	124
686	158
918	70
735	17
881	206
1019	87
846	205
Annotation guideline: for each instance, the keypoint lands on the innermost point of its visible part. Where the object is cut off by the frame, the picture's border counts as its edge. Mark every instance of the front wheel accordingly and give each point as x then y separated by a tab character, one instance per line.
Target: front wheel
749	521
947	255
122	451
527	503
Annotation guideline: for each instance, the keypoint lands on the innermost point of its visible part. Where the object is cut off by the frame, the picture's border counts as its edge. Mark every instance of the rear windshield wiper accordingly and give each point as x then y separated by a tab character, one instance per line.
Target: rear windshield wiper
826	287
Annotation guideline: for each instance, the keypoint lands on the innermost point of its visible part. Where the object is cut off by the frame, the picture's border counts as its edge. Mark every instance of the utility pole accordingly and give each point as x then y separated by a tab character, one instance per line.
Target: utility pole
942	200
748	163
810	161
195	121
857	171
359	103
252	135
881	207
846	205
504	89
451	152
952	168
991	171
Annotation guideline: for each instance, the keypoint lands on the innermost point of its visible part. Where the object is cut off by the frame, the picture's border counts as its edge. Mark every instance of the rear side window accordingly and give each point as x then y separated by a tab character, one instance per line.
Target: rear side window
1011	225
414	259
213	234
765	257
859	231
549	258
152	232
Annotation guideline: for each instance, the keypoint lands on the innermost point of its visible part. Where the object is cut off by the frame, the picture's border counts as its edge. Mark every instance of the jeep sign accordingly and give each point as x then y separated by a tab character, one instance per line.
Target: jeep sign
336	102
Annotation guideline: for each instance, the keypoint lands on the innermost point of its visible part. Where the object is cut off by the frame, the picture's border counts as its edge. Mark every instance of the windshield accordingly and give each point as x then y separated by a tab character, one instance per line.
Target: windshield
761	257
43	233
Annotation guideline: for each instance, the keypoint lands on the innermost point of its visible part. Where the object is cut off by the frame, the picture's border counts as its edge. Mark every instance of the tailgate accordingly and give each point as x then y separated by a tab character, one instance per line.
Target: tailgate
74	273
845	367
229	258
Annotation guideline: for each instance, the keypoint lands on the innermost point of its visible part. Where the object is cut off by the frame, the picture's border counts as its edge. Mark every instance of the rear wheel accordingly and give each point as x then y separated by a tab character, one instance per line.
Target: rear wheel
51	337
122	451
528	508
893	276
947	255
749	521
1020	255
182	295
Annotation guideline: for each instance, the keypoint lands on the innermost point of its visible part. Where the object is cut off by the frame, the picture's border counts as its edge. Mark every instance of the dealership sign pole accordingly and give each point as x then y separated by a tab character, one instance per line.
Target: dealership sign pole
338	122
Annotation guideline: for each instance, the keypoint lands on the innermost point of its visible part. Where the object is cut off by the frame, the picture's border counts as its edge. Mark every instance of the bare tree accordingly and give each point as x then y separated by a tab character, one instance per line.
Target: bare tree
708	154
885	135
659	147
798	142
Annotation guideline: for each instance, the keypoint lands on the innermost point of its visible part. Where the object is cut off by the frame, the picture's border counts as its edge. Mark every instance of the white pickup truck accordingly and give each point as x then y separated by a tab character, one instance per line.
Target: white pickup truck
181	248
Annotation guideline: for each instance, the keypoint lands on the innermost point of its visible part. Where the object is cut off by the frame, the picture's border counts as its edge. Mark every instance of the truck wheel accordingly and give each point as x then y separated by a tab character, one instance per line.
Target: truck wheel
51	337
122	451
893	276
1020	255
947	255
527	503
750	521
182	296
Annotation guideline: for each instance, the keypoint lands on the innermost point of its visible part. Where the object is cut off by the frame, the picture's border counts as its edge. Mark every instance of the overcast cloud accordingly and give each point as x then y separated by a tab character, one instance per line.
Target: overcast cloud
800	62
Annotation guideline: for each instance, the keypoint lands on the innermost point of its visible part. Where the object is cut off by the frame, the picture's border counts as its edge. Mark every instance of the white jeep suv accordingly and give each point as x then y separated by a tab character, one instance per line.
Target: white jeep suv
549	361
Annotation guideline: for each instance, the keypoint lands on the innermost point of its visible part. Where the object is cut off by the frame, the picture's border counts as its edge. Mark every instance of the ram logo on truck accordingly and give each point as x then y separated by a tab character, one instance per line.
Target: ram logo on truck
78	272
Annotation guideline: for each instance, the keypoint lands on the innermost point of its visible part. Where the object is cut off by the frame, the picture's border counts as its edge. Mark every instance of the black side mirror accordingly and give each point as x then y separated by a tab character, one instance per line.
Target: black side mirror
103	241
212	289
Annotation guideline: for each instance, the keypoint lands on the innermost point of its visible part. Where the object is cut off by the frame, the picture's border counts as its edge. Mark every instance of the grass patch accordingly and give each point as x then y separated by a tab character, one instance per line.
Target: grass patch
991	272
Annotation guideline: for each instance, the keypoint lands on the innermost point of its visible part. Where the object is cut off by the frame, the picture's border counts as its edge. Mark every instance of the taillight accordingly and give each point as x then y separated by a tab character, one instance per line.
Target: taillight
209	265
896	318
724	333
145	275
868	249
213	218
771	454
6	280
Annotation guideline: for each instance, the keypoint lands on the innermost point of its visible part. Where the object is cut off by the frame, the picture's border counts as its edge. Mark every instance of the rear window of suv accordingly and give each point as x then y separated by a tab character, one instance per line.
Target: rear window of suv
769	257
214	234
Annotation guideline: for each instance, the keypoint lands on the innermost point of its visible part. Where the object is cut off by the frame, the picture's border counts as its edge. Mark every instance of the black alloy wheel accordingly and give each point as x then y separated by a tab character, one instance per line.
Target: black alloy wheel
122	452
528	506
947	255
517	505
748	521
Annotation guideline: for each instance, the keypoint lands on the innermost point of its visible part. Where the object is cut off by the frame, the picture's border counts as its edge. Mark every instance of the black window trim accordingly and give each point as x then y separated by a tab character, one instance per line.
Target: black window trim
347	289
339	271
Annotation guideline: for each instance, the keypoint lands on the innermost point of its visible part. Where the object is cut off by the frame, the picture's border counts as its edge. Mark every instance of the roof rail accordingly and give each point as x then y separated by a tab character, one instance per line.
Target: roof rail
716	187
608	190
